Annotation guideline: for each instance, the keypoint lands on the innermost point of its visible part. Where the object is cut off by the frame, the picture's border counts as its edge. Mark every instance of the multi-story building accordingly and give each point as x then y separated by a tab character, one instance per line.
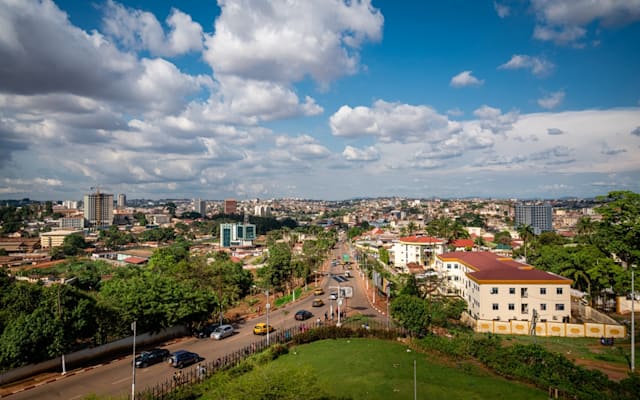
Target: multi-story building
538	216
234	235
500	288
419	250
56	238
122	200
230	206
200	206
70	204
72	223
98	209
262	210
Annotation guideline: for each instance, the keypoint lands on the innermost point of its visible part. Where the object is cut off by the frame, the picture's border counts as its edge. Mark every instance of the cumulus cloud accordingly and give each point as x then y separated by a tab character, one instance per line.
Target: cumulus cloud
554	131
367	154
611	151
502	10
538	66
494	120
553	100
391	122
566	21
137	29
303	147
285	41
465	78
636	131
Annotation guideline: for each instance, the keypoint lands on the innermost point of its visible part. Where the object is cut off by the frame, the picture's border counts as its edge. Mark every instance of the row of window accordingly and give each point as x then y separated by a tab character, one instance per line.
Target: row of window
524	308
524	291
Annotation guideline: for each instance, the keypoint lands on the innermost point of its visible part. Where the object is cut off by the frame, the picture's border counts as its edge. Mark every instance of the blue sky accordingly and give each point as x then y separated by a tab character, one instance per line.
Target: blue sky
319	99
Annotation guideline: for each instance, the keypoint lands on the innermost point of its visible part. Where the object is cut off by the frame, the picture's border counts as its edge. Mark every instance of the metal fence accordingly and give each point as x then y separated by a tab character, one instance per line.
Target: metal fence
201	371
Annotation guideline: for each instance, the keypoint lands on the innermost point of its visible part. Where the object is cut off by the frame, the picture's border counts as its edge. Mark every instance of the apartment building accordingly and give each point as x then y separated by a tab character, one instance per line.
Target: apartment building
500	288
416	249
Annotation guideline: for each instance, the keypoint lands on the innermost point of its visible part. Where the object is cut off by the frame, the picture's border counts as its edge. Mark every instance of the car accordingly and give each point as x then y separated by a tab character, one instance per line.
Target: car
222	332
318	291
205	331
333	296
262	329
183	358
151	357
317	303
347	274
302	315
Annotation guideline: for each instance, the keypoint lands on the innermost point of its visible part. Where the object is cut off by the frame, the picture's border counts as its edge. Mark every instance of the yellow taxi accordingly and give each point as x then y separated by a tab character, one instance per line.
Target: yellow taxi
262	329
317	303
318	292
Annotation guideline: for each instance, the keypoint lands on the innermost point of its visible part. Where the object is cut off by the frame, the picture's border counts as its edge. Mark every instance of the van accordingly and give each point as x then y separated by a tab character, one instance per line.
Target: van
182	358
222	332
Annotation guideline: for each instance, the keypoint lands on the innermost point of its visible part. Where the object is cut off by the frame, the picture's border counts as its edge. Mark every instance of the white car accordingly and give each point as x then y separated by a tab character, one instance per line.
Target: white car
222	332
333	296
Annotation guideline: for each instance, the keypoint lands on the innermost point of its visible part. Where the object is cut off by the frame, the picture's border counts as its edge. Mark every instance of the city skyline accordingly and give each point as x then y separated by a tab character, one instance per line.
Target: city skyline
326	100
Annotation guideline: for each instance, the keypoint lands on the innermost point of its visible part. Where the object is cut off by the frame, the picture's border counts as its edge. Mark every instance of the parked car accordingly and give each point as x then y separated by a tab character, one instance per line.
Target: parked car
317	303
182	358
151	357
333	296
318	292
302	315
205	331
347	274
262	329
222	332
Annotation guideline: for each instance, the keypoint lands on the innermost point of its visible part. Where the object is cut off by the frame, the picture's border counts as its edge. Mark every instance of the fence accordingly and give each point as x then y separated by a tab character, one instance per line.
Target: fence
562	329
202	371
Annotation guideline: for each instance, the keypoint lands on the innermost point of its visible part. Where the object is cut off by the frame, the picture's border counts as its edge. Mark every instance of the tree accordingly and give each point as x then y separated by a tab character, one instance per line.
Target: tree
525	232
141	218
171	207
447	229
585	228
503	237
384	255
620	228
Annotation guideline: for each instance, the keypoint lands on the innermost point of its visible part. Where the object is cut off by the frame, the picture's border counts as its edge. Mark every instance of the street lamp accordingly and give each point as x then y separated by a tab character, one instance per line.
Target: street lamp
133	363
388	299
633	320
268	306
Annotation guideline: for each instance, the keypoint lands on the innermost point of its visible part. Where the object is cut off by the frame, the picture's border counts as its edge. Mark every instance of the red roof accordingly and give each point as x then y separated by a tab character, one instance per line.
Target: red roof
421	240
135	260
489	267
463	243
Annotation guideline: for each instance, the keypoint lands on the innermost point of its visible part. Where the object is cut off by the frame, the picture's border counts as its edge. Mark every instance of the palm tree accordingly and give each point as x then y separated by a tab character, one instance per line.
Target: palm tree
525	232
585	228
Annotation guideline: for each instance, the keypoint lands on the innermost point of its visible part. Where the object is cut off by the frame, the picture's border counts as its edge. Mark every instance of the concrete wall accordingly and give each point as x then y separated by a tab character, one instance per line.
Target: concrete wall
562	329
86	356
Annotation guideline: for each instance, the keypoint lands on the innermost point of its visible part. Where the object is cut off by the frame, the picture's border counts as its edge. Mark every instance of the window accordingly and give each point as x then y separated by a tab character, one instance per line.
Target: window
512	306
524	309
455	266
543	290
494	290
543	307
559	290
560	307
456	278
524	292
448	266
512	290
494	306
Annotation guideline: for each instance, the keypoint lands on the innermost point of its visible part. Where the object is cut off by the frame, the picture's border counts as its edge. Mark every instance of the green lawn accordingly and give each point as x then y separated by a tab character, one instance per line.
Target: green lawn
377	369
584	348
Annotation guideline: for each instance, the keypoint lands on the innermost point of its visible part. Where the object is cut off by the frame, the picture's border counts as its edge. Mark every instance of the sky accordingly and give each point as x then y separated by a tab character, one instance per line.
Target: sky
319	99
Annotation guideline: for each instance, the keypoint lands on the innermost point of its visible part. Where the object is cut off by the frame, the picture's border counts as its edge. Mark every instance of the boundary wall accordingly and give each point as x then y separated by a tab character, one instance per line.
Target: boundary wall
563	329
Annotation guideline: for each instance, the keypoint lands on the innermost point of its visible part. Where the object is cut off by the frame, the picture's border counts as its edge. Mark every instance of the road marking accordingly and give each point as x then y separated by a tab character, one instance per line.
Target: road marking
121	380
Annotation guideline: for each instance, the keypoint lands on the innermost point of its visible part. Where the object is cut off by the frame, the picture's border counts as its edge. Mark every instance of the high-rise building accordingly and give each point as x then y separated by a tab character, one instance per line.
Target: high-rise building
262	210
122	200
200	206
233	235
538	216
230	206
98	209
70	204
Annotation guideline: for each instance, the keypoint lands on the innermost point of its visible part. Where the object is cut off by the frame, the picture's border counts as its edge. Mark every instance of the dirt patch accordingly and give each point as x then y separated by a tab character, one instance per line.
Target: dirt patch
614	372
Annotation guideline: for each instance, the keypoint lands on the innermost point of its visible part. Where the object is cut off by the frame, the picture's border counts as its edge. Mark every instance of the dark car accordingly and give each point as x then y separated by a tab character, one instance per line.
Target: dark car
303	314
182	358
151	357
205	331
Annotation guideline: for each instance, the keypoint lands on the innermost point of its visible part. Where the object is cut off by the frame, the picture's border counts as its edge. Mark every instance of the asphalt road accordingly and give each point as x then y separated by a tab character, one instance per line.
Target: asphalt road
115	378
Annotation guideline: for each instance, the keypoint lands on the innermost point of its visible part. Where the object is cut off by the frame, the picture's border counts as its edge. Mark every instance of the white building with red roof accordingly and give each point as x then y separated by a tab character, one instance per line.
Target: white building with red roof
500	288
416	249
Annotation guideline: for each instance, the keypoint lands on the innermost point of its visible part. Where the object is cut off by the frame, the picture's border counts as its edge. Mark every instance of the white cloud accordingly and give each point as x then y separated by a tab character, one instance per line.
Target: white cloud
367	154
304	147
566	21
636	131
391	122
538	66
140	30
552	100
465	78
285	41
493	119
554	131
502	10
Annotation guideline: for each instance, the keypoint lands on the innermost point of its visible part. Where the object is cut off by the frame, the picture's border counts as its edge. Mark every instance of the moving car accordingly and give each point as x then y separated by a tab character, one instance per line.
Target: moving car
318	292
302	315
262	329
182	358
151	357
222	332
317	303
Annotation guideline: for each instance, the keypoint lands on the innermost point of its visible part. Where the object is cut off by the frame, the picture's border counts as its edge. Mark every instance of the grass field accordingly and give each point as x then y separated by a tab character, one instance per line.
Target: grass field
376	369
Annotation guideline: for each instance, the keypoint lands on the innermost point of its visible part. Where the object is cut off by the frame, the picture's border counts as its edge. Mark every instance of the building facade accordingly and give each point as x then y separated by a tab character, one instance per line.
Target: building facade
72	223
200	206
236	235
230	206
122	200
98	209
56	238
500	288
419	250
538	216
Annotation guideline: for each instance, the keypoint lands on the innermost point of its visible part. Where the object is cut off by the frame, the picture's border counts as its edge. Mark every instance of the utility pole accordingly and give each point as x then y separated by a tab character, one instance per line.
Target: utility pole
64	367
633	321
133	363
